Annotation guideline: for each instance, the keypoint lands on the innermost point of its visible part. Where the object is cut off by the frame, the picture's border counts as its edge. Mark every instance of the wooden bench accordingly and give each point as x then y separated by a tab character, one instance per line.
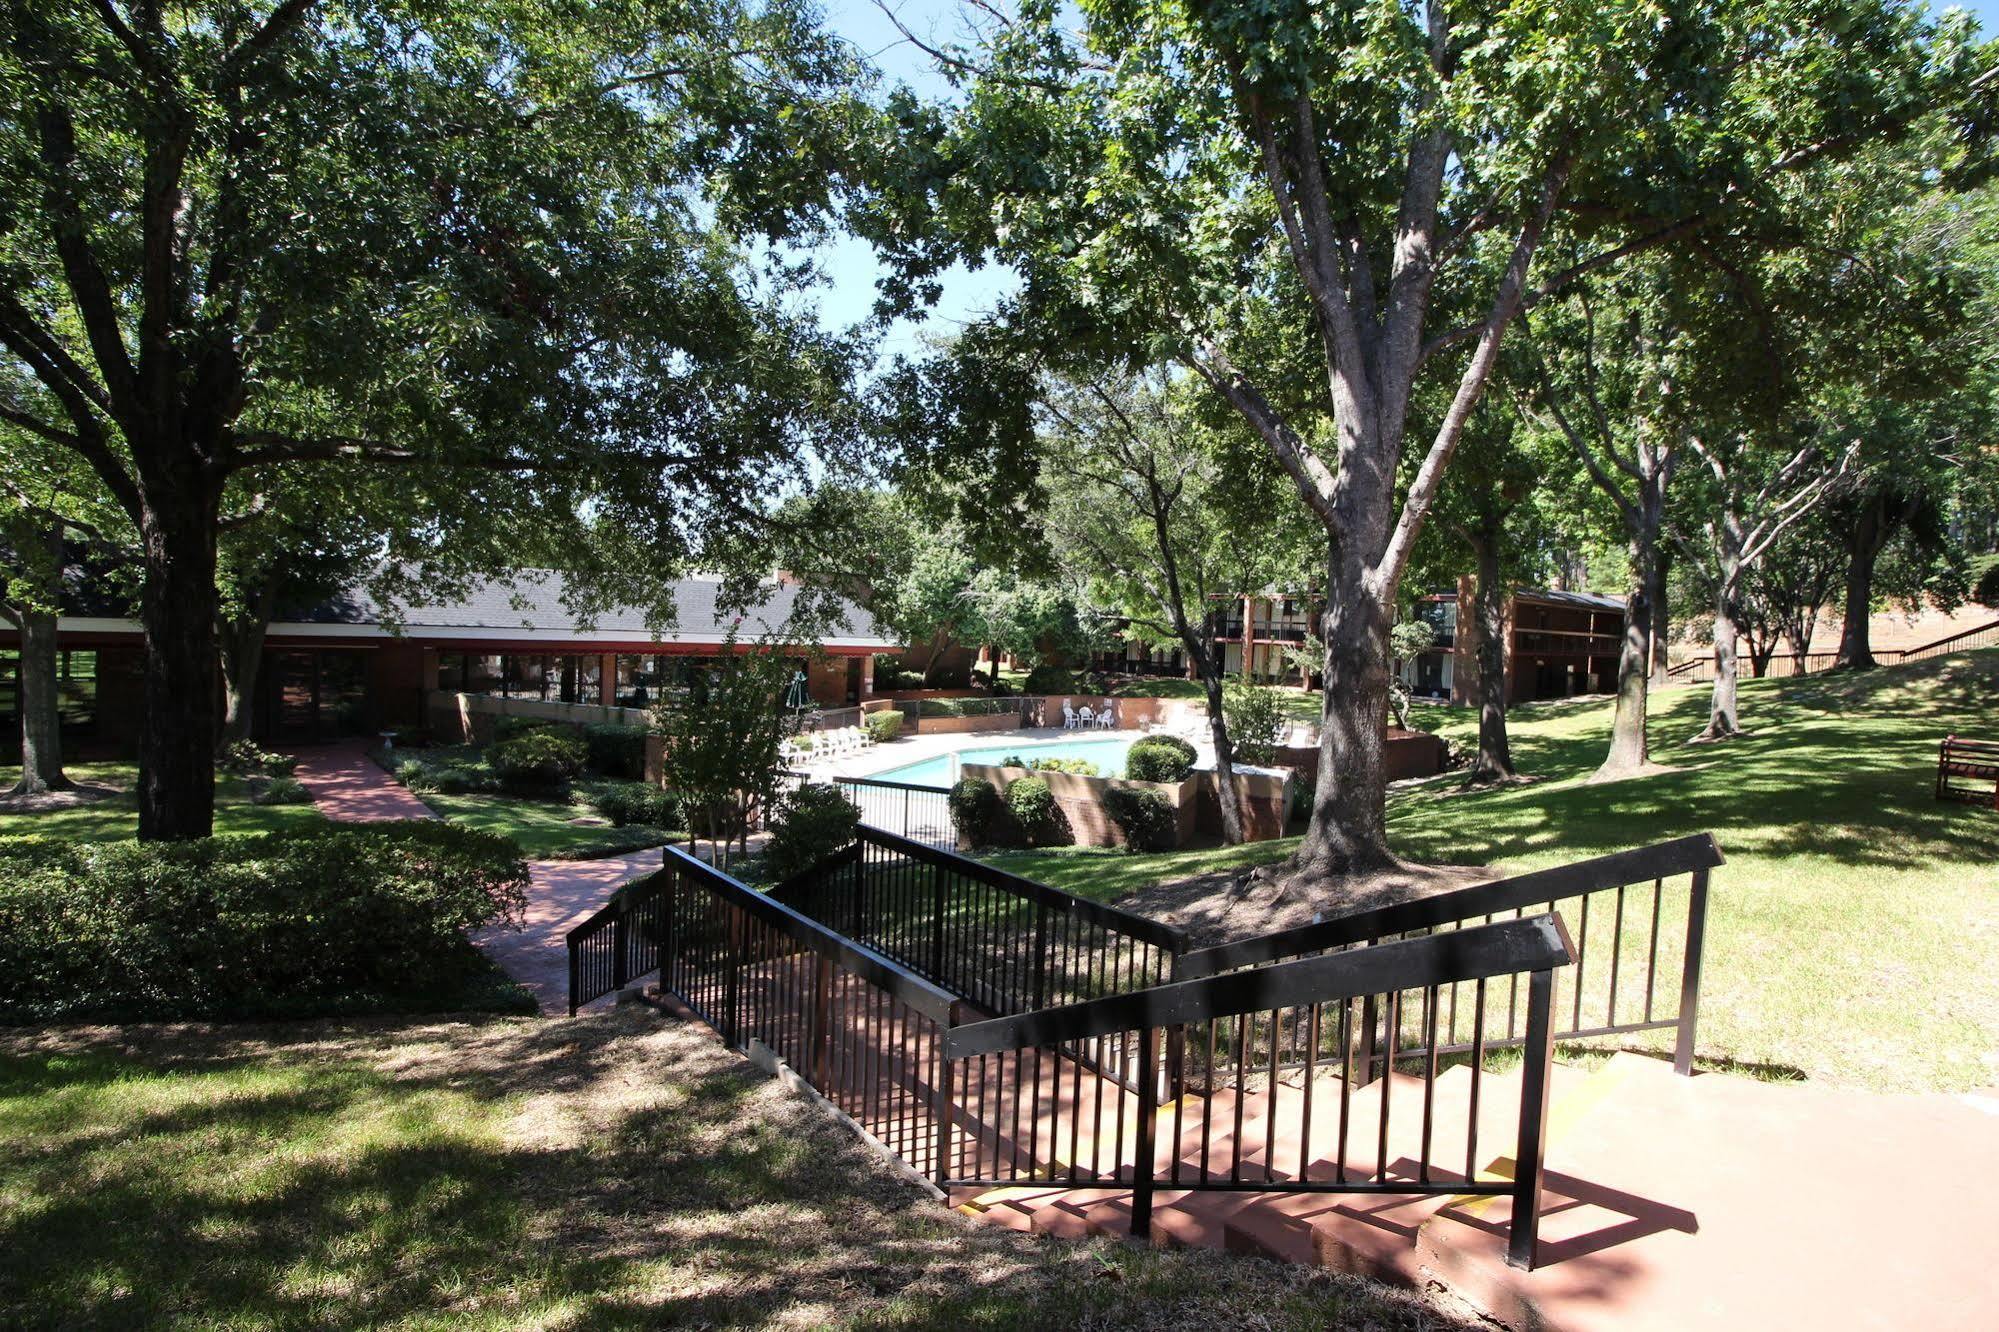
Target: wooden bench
1961	761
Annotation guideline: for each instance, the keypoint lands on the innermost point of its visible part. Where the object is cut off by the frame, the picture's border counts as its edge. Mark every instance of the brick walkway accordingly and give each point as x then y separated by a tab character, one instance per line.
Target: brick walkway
348	786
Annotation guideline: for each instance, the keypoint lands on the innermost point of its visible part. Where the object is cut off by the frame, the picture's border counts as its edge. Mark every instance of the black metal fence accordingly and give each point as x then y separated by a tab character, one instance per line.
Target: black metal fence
1006	943
920	813
1639	919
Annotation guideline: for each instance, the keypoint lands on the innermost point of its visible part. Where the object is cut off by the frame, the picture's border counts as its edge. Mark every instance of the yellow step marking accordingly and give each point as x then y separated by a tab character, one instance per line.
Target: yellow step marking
1563	1116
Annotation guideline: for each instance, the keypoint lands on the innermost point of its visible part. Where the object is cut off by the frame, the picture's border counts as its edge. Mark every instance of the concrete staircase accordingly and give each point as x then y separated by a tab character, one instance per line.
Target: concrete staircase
1671	1203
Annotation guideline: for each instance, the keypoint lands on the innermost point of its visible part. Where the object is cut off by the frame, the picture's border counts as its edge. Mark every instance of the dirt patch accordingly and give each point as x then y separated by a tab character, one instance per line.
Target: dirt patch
1219	908
83	793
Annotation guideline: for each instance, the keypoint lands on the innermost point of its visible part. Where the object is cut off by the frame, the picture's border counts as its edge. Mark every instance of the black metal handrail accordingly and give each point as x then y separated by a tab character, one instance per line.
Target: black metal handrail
1629	981
1273	1038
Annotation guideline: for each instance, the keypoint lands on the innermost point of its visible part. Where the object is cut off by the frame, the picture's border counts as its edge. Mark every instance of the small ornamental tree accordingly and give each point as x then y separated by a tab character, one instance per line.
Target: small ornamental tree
722	755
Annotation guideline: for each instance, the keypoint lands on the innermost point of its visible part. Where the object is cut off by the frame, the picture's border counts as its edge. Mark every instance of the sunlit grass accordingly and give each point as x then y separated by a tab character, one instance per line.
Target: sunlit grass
545	829
117	817
1852	929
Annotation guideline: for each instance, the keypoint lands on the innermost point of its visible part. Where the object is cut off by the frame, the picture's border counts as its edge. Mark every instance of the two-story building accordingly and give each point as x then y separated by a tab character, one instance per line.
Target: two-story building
1558	644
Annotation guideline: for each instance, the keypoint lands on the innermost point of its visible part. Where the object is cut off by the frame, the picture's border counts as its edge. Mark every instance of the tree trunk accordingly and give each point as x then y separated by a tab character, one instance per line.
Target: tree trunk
1495	753
41	713
1629	747
1226	794
241	646
1659	634
1723	720
1863	547
1349	830
177	609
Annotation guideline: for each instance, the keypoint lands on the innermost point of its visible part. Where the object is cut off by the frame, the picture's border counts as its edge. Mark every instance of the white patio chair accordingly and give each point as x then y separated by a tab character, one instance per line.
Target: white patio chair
1085	718
1107	719
1068	716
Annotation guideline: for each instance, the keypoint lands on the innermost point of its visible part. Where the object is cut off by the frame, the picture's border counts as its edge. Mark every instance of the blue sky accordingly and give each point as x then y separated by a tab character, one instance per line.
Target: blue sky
849	264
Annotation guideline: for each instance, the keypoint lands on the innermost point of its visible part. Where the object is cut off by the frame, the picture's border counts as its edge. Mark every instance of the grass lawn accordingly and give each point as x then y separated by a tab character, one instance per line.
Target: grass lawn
544	828
1852	931
117	817
619	1171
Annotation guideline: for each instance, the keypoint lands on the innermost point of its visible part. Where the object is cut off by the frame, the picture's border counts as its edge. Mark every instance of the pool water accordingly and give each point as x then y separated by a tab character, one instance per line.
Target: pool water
1107	753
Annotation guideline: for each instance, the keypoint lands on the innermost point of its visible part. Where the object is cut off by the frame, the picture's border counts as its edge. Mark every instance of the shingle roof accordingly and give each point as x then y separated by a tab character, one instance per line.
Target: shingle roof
531	600
1580	600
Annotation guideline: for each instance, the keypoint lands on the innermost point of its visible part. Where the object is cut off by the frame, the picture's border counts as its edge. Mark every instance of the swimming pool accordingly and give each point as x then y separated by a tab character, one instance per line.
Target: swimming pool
1106	752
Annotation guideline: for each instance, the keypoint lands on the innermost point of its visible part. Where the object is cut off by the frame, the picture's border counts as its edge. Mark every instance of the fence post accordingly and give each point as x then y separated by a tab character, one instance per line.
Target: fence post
1690	975
619	974
732	970
937	922
575	979
822	1022
1369	1013
1040	983
1144	1166
1523	1245
942	1109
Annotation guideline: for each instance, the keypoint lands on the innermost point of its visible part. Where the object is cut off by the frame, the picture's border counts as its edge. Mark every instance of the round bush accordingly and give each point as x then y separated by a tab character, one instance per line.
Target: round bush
615	750
1159	758
323	918
1032	805
537	760
812	822
884	726
974	806
627	804
1144	817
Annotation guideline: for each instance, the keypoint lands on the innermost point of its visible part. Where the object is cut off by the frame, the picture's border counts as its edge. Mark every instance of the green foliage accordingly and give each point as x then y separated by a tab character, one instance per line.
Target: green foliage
1144	817
537	761
1159	758
308	920
813	820
1032	805
975	809
723	758
509	727
281	791
965	707
244	758
1986	591
891	675
637	804
883	726
1045	679
1255	717
1079	767
615	749
447	775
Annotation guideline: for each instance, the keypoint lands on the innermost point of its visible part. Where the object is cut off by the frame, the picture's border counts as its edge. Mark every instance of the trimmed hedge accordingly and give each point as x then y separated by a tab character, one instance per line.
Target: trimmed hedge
1036	813
1159	758
1145	818
615	749
508	728
884	726
966	707
541	761
975	808
642	804
317	919
812	822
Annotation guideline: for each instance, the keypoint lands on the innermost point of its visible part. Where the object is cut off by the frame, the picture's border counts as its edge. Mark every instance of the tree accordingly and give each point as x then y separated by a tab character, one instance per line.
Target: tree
721	754
490	239
1141	174
1136	496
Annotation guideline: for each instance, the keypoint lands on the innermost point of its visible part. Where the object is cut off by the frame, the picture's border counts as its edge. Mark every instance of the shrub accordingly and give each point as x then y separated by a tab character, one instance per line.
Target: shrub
1050	680
966	707
1033	807
537	762
1080	767
1145	818
1986	591
1159	758
1255	720
884	726
281	791
508	728
244	757
628	804
321	918
449	776
975	807
813	820
615	749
